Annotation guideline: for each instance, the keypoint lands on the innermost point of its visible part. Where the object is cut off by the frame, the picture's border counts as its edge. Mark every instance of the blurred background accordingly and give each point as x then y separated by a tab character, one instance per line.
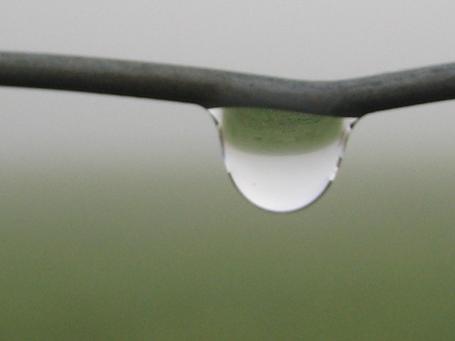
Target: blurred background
118	222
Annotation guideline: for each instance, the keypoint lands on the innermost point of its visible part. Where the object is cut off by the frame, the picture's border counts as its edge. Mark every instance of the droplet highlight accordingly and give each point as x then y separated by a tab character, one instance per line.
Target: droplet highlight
281	161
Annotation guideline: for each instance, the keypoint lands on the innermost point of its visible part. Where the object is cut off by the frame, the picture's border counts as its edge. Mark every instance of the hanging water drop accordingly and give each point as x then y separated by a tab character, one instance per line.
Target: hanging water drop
281	161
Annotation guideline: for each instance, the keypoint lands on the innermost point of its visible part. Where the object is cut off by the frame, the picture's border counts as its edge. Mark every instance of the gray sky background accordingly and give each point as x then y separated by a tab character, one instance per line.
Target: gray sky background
299	39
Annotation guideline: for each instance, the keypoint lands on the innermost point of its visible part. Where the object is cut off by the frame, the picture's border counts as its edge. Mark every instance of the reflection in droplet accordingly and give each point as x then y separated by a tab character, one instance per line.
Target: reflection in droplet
279	160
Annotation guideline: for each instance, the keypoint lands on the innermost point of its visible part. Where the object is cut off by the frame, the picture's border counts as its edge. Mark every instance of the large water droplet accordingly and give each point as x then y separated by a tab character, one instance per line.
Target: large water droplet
279	160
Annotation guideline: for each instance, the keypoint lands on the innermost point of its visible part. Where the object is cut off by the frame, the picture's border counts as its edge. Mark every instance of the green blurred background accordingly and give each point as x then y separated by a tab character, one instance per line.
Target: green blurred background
118	222
108	243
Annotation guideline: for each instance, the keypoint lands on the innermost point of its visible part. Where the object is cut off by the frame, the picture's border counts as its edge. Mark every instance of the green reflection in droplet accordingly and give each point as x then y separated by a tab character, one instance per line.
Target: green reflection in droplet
269	131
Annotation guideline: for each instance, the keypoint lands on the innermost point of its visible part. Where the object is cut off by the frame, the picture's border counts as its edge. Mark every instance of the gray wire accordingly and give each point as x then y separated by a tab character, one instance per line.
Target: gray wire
216	88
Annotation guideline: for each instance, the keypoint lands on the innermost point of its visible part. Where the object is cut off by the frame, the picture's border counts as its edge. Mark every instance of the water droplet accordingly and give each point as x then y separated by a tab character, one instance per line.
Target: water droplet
281	161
